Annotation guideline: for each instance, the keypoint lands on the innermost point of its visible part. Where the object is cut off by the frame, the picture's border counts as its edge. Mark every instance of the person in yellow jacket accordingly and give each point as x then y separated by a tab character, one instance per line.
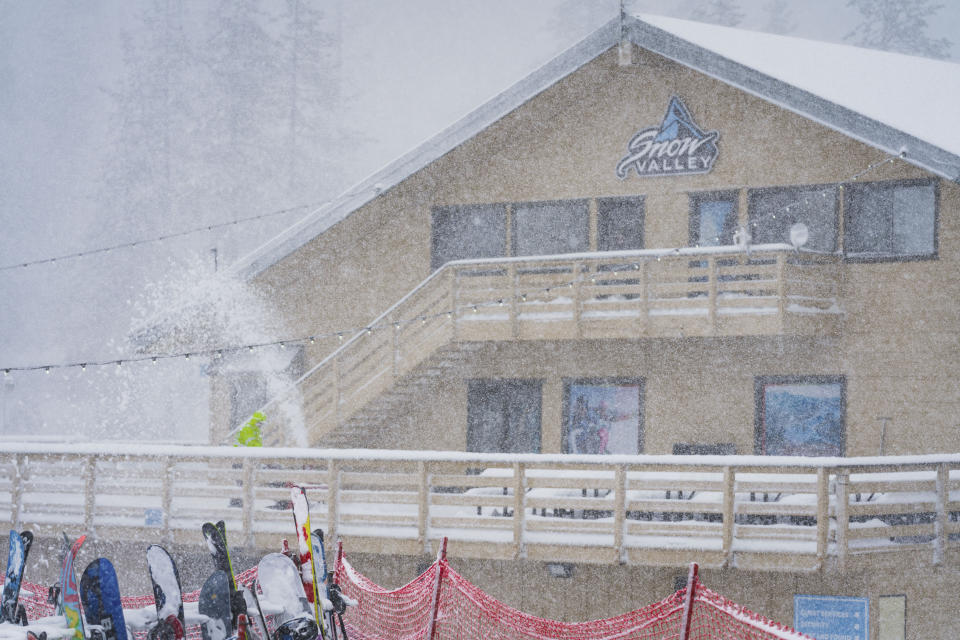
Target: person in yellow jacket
249	434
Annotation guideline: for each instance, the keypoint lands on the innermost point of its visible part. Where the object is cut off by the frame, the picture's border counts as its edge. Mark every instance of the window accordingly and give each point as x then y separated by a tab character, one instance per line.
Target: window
503	416
713	218
468	231
602	415
890	220
248	393
547	228
774	210
619	223
800	415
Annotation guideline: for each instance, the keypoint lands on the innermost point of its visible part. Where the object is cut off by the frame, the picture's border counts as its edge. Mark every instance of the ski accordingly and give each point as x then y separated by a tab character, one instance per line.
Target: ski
254	612
308	569
16	562
100	594
216	537
323	588
167	595
69	593
282	589
215	605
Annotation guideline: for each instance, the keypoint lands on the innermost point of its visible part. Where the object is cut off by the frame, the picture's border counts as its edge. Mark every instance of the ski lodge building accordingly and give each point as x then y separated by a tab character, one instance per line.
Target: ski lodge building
685	293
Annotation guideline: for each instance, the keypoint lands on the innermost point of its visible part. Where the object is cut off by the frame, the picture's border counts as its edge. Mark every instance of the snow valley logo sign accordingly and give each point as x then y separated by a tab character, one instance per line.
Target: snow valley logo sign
677	147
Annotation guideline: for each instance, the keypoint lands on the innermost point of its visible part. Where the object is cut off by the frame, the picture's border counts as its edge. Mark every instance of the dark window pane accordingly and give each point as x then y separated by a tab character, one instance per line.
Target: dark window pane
468	231
773	211
713	218
801	416
248	392
885	219
546	228
619	224
503	416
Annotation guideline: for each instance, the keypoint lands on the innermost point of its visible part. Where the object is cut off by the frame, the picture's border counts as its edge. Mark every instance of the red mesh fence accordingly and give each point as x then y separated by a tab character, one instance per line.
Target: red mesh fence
464	612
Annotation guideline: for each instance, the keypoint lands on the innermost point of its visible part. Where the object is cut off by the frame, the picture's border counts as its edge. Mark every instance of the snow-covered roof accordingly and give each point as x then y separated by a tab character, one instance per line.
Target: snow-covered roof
898	103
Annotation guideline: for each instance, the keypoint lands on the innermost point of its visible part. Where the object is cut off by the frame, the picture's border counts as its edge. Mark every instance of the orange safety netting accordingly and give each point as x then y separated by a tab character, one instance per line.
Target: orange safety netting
464	612
444	602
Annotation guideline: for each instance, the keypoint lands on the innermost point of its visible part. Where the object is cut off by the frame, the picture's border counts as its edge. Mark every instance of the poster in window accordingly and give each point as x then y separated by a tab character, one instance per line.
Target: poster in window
802	419
603	417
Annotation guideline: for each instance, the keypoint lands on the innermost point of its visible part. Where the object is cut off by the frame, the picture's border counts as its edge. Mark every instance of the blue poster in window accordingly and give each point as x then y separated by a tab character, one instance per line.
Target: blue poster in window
802	419
832	617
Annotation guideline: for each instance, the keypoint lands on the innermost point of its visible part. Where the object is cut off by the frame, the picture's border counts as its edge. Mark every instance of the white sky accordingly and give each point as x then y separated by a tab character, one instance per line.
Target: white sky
414	68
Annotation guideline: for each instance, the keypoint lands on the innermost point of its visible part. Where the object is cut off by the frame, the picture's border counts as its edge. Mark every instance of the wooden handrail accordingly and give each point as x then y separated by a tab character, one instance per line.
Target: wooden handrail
624	294
527	505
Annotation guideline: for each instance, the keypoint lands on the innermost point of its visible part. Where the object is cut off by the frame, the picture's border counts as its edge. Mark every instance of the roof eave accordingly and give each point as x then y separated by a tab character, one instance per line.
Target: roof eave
832	115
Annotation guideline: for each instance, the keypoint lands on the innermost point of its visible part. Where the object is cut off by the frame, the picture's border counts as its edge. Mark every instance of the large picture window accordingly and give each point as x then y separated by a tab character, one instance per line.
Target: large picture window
619	223
547	228
800	416
465	232
890	220
503	416
774	210
603	416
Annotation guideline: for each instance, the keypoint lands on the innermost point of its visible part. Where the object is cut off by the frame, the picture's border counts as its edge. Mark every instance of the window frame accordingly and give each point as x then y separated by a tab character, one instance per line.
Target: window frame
620	380
850	187
638	199
696	198
512	230
759	382
437	210
805	187
538	382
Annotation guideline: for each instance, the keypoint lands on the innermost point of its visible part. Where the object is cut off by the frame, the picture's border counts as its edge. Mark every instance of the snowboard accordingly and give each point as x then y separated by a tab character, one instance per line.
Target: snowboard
69	593
167	595
100	595
216	538
282	588
215	605
16	561
308	569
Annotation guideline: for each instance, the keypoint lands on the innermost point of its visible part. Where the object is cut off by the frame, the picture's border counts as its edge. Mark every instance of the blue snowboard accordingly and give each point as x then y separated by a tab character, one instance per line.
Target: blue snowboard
215	605
16	561
100	595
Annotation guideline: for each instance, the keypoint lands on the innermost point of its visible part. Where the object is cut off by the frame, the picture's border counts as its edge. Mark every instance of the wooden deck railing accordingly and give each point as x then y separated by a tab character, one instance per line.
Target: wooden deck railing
753	512
772	290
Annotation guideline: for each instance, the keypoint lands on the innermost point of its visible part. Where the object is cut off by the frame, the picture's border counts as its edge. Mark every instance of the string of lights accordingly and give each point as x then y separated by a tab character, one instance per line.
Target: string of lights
343	334
161	238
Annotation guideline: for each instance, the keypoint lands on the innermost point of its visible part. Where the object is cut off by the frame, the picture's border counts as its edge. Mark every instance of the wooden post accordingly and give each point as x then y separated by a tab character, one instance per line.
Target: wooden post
578	299
940	524
514	301
687	616
437	580
781	291
518	510
643	313
166	498
249	469
712	293
89	492
843	519
453	305
333	497
21	476
619	512
423	505
823	515
338	390
729	514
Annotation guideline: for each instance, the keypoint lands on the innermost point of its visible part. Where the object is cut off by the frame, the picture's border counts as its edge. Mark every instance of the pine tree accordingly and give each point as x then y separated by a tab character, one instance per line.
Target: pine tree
898	25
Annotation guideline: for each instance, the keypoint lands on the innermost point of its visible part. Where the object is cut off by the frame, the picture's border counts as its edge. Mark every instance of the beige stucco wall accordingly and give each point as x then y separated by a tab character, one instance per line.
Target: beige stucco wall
899	348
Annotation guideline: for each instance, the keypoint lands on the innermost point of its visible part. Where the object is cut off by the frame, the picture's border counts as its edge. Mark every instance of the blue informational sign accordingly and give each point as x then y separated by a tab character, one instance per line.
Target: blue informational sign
832	617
